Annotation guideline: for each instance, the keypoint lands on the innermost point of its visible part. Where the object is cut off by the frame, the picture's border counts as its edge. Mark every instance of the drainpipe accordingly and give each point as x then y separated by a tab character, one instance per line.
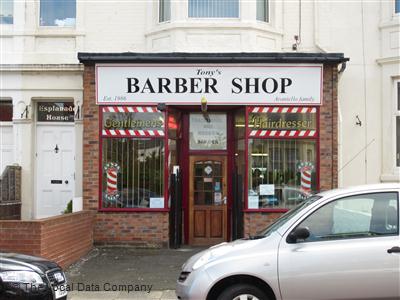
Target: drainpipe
316	28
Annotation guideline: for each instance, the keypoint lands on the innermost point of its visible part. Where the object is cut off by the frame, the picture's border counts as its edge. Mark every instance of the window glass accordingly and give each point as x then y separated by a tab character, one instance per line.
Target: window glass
282	173
6	110
240	124
358	216
61	13
207	132
262	10
133	173
174	121
164	10
6	11
213	8
397	6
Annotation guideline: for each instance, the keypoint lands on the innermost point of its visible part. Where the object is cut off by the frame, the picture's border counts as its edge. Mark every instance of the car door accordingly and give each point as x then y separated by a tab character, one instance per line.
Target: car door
347	254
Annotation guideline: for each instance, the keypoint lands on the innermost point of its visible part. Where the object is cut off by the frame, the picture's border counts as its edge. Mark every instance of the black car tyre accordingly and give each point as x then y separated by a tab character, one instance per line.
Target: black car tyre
243	292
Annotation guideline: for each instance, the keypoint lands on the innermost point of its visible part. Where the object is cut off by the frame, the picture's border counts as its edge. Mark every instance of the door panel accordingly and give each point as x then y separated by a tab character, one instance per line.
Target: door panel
345	257
200	223
216	220
55	169
207	200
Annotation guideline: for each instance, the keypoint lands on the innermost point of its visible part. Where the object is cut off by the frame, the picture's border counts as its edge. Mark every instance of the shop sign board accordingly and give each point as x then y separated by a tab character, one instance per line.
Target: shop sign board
219	84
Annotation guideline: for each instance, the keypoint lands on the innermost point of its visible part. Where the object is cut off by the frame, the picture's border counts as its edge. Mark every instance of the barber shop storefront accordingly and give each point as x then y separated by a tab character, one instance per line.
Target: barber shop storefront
203	148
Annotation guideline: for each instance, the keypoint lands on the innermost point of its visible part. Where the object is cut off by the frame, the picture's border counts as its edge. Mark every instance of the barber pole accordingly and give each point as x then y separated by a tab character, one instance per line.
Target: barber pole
112	170
305	169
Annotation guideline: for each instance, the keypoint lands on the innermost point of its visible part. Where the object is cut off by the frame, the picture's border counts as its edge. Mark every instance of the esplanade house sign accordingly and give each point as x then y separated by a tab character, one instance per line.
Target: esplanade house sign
202	148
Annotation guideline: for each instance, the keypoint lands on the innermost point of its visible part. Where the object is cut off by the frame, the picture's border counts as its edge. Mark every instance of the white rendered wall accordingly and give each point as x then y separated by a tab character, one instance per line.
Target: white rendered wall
41	63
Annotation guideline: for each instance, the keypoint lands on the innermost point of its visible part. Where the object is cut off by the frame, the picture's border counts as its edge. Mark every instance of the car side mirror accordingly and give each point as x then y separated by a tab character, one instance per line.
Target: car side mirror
300	233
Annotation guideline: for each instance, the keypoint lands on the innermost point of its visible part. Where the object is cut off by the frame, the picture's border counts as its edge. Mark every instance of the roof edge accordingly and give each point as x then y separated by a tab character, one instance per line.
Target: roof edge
237	57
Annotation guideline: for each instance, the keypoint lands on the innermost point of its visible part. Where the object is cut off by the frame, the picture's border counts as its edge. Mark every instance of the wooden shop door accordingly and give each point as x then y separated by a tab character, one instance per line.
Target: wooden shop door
207	200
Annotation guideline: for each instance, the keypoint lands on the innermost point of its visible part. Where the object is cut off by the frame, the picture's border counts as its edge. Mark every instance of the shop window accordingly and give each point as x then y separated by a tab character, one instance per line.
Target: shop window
6	12
262	10
132	158
213	8
61	13
282	156
164	10
6	111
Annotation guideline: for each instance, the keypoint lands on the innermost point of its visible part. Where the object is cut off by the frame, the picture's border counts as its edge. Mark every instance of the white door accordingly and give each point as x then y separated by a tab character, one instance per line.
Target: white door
346	256
55	165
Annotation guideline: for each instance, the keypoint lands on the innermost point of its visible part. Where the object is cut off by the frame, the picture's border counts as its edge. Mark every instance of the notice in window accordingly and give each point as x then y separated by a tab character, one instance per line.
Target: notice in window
267	189
208	132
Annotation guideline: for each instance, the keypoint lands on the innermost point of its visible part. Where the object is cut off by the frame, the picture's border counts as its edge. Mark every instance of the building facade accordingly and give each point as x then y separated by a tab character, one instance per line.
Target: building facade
49	126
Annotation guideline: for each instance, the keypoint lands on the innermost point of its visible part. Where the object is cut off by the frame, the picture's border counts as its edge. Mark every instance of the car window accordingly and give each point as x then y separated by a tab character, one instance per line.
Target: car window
366	215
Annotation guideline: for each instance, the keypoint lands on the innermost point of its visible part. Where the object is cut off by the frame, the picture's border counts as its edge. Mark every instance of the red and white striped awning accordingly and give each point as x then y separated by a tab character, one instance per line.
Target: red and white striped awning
283	109
282	133
128	109
130	132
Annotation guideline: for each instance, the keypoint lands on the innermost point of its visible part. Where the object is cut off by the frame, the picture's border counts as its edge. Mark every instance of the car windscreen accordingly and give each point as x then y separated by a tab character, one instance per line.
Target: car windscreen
287	216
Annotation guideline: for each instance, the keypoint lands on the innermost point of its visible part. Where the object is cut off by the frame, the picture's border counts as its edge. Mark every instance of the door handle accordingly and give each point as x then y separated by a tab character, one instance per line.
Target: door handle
394	250
66	181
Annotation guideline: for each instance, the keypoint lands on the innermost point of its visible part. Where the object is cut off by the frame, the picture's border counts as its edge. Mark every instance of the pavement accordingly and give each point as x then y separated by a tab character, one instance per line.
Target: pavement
127	273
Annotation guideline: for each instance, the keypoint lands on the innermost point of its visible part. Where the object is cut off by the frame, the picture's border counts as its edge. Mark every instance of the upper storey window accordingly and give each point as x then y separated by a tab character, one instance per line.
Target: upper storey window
61	13
213	8
6	12
164	10
262	10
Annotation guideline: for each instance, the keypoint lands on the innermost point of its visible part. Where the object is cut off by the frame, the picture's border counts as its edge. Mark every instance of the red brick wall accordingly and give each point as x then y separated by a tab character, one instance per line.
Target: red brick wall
112	228
63	239
256	221
329	130
142	229
328	150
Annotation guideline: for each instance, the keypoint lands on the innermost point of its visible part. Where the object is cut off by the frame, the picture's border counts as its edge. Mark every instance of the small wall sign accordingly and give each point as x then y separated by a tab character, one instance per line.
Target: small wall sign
55	112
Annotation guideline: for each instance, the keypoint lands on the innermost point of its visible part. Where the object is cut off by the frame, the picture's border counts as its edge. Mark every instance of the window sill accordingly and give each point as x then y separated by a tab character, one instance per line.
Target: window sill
46	32
395	22
215	24
395	177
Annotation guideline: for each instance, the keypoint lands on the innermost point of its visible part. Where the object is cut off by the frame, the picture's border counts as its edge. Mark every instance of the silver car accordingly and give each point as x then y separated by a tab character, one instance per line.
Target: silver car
340	244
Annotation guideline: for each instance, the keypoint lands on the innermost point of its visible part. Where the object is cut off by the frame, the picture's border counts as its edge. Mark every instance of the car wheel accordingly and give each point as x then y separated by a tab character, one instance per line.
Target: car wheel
243	292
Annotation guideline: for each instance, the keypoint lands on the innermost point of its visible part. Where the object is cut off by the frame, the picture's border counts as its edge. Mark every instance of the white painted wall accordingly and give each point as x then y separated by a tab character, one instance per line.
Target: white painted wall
41	63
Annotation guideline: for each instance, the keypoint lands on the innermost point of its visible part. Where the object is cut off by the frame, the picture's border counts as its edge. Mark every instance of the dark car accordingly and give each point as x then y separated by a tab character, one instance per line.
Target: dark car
24	277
